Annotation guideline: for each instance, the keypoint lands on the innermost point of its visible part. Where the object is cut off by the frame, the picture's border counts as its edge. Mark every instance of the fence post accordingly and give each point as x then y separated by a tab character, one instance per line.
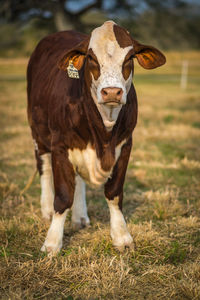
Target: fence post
184	75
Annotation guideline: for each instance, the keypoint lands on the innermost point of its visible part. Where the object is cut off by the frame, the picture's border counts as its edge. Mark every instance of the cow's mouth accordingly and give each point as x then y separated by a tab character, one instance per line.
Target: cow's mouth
112	103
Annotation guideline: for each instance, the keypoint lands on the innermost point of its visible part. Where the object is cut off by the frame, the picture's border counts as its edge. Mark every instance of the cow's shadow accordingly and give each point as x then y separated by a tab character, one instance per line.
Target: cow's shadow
98	208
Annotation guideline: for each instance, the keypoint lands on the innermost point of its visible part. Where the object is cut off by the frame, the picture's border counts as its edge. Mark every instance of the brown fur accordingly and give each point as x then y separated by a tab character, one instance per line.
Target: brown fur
127	66
93	64
63	115
122	36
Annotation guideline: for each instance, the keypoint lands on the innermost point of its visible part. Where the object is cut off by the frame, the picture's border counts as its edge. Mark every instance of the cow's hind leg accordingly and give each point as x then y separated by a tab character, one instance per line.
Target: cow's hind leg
47	190
46	181
79	209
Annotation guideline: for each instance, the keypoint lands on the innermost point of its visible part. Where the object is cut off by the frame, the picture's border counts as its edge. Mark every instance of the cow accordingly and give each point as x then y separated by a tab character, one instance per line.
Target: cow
82	110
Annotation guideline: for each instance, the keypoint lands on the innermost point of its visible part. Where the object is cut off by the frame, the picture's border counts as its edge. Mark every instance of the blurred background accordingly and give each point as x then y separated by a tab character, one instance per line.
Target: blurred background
169	24
161	191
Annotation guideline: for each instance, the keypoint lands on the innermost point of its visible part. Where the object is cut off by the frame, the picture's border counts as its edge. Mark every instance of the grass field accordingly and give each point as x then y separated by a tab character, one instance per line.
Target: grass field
161	205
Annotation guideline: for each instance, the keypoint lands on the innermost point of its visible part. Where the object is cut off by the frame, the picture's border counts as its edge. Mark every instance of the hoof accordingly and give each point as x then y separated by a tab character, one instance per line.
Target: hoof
122	248
51	250
80	225
123	242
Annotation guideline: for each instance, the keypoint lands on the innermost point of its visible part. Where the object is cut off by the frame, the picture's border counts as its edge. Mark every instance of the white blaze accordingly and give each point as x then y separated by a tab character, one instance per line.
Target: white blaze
110	57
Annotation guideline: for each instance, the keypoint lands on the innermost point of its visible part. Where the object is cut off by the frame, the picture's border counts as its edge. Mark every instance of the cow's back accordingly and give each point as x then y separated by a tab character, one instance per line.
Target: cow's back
43	72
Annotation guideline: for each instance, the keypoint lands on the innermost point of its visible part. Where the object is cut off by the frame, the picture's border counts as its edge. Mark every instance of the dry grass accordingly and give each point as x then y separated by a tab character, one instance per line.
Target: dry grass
162	204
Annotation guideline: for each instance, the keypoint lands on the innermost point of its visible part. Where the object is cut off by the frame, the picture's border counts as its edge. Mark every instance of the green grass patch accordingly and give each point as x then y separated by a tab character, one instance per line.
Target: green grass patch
179	177
196	124
175	253
168	119
170	150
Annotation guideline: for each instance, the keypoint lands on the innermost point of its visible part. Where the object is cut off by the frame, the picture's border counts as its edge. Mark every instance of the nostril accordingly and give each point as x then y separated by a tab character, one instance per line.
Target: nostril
119	94
104	93
111	94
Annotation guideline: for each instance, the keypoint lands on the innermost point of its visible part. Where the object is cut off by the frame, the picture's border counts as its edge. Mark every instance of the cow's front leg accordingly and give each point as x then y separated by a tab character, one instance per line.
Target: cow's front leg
53	241
114	196
118	230
79	209
64	184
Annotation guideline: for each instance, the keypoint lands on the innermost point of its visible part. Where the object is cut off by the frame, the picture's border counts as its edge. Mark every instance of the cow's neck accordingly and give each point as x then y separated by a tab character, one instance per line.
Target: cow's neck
104	141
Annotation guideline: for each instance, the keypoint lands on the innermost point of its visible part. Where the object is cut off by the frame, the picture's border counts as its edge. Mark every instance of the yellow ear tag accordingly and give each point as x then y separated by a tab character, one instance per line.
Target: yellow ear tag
72	71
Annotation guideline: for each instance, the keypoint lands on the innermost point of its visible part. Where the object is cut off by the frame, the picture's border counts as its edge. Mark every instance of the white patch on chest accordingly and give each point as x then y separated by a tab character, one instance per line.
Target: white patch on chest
88	166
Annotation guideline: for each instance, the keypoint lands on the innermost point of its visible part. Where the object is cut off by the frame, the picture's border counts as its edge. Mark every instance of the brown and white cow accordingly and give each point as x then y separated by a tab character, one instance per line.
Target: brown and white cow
82	127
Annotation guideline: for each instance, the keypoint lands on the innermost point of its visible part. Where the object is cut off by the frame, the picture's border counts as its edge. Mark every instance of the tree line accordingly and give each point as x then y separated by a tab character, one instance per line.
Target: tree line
170	24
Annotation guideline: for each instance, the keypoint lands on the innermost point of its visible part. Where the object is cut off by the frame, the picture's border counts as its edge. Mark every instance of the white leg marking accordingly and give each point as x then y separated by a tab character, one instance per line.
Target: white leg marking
53	242
47	189
79	209
118	231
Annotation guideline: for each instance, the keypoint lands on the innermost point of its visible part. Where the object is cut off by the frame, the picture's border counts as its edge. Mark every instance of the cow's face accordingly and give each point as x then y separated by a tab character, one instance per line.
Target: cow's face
108	56
110	64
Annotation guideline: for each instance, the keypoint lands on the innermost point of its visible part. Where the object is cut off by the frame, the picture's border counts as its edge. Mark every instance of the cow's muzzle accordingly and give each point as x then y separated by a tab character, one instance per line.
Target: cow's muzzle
111	96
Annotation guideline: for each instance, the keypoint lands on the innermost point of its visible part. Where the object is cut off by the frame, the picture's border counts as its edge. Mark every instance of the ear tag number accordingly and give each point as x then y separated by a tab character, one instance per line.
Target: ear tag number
72	71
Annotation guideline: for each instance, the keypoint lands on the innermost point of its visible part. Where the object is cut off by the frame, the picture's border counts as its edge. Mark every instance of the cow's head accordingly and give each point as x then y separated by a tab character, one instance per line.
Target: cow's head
108	55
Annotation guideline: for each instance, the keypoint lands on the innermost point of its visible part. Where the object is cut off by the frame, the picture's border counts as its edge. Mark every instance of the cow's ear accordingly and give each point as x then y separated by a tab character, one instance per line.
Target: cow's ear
76	55
148	56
